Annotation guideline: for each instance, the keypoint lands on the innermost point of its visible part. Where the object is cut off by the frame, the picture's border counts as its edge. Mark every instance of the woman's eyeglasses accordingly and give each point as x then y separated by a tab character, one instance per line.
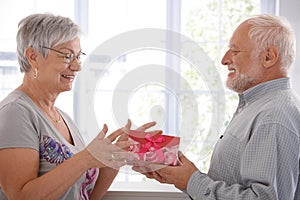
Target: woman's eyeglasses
68	57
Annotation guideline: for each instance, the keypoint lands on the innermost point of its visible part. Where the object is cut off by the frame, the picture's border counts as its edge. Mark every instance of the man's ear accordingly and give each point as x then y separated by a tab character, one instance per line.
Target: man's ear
270	57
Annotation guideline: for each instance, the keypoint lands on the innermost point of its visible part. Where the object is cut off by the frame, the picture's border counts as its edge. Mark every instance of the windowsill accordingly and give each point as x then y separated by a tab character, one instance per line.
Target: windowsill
149	190
120	195
143	187
133	195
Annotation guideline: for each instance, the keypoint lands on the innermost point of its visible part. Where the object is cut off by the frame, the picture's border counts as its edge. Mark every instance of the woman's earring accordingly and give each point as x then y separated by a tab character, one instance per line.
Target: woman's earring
35	73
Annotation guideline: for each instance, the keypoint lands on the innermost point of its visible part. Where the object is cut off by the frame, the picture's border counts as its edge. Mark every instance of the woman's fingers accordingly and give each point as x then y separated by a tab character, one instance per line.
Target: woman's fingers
155	132
128	125
123	144
121	132
146	126
103	132
112	137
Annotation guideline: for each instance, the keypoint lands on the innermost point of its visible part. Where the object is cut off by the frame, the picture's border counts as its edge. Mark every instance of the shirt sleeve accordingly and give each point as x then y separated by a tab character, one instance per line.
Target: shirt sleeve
269	169
18	127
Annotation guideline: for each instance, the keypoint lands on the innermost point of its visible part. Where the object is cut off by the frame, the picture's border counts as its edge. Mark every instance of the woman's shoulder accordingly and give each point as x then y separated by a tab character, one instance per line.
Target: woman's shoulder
16	103
14	97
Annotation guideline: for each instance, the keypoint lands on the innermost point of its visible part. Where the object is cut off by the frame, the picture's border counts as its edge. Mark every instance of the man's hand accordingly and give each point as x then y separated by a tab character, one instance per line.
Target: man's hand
176	175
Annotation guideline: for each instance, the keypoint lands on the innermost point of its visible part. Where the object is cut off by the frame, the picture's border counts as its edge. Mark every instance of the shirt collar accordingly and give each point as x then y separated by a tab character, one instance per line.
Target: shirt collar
257	91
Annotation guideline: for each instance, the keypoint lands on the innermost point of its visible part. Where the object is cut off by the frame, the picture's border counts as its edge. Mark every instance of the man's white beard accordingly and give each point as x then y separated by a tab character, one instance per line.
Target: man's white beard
240	82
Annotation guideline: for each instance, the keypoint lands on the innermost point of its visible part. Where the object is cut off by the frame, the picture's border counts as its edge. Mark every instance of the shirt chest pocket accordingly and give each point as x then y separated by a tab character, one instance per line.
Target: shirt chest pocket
225	162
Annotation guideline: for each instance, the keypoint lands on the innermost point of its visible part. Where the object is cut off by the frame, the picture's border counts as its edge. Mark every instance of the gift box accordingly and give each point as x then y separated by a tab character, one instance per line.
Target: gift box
153	147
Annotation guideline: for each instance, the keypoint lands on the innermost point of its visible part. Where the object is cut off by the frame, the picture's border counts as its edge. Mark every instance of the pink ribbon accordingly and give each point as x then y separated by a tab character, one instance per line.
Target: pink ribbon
153	143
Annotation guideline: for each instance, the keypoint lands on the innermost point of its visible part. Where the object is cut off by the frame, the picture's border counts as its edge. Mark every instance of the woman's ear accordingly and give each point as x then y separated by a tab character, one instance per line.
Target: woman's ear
270	57
31	56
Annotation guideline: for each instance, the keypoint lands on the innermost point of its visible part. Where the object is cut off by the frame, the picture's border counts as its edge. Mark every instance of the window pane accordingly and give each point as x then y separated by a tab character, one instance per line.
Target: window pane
11	15
209	23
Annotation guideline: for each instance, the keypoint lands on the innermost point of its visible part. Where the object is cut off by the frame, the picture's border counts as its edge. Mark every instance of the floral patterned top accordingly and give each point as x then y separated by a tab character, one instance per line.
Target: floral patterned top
23	125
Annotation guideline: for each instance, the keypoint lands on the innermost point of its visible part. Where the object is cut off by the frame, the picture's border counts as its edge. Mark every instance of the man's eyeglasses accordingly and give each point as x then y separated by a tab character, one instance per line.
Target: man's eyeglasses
68	57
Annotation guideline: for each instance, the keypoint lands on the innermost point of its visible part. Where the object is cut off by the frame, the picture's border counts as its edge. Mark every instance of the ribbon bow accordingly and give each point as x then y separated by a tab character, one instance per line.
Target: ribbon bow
153	143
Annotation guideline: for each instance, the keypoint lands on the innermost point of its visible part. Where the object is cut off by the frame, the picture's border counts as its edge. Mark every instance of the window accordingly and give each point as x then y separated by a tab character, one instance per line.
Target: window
144	82
134	72
10	76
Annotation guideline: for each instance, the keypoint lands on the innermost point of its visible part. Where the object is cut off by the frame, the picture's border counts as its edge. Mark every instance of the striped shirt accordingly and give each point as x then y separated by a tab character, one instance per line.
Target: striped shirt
258	156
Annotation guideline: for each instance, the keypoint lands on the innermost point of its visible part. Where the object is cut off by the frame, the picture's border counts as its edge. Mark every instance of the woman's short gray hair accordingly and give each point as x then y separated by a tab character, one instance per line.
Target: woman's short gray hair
39	30
267	30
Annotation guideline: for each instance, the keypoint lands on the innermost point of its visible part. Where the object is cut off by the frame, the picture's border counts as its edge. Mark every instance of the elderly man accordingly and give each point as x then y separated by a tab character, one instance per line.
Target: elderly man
258	155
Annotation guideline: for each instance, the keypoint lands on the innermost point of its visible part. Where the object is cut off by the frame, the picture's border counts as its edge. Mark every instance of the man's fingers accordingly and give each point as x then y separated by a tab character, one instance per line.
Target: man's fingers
156	166
150	175
141	169
158	177
182	158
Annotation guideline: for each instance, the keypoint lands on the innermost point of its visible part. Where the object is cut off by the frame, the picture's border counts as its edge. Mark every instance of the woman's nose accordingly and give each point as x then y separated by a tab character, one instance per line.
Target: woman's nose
75	65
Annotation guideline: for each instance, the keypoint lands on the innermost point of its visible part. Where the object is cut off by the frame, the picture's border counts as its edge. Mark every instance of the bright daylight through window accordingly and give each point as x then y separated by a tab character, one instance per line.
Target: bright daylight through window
183	103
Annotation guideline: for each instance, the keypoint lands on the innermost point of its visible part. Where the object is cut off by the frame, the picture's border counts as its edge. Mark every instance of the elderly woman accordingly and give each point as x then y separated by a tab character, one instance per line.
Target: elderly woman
42	154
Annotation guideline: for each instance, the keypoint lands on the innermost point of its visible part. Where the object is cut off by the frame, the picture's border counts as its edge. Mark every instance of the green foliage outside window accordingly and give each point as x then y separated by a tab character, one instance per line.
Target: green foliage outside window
211	26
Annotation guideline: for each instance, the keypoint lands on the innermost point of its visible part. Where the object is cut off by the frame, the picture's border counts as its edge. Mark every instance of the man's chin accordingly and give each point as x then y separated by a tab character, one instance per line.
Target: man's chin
234	85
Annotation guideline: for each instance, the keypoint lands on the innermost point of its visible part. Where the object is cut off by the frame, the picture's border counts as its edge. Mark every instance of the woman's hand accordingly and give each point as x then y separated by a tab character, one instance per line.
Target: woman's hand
146	126
105	150
111	151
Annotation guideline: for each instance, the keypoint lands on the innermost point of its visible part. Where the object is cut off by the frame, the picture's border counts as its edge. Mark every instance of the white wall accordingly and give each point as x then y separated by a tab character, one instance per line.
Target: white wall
290	9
